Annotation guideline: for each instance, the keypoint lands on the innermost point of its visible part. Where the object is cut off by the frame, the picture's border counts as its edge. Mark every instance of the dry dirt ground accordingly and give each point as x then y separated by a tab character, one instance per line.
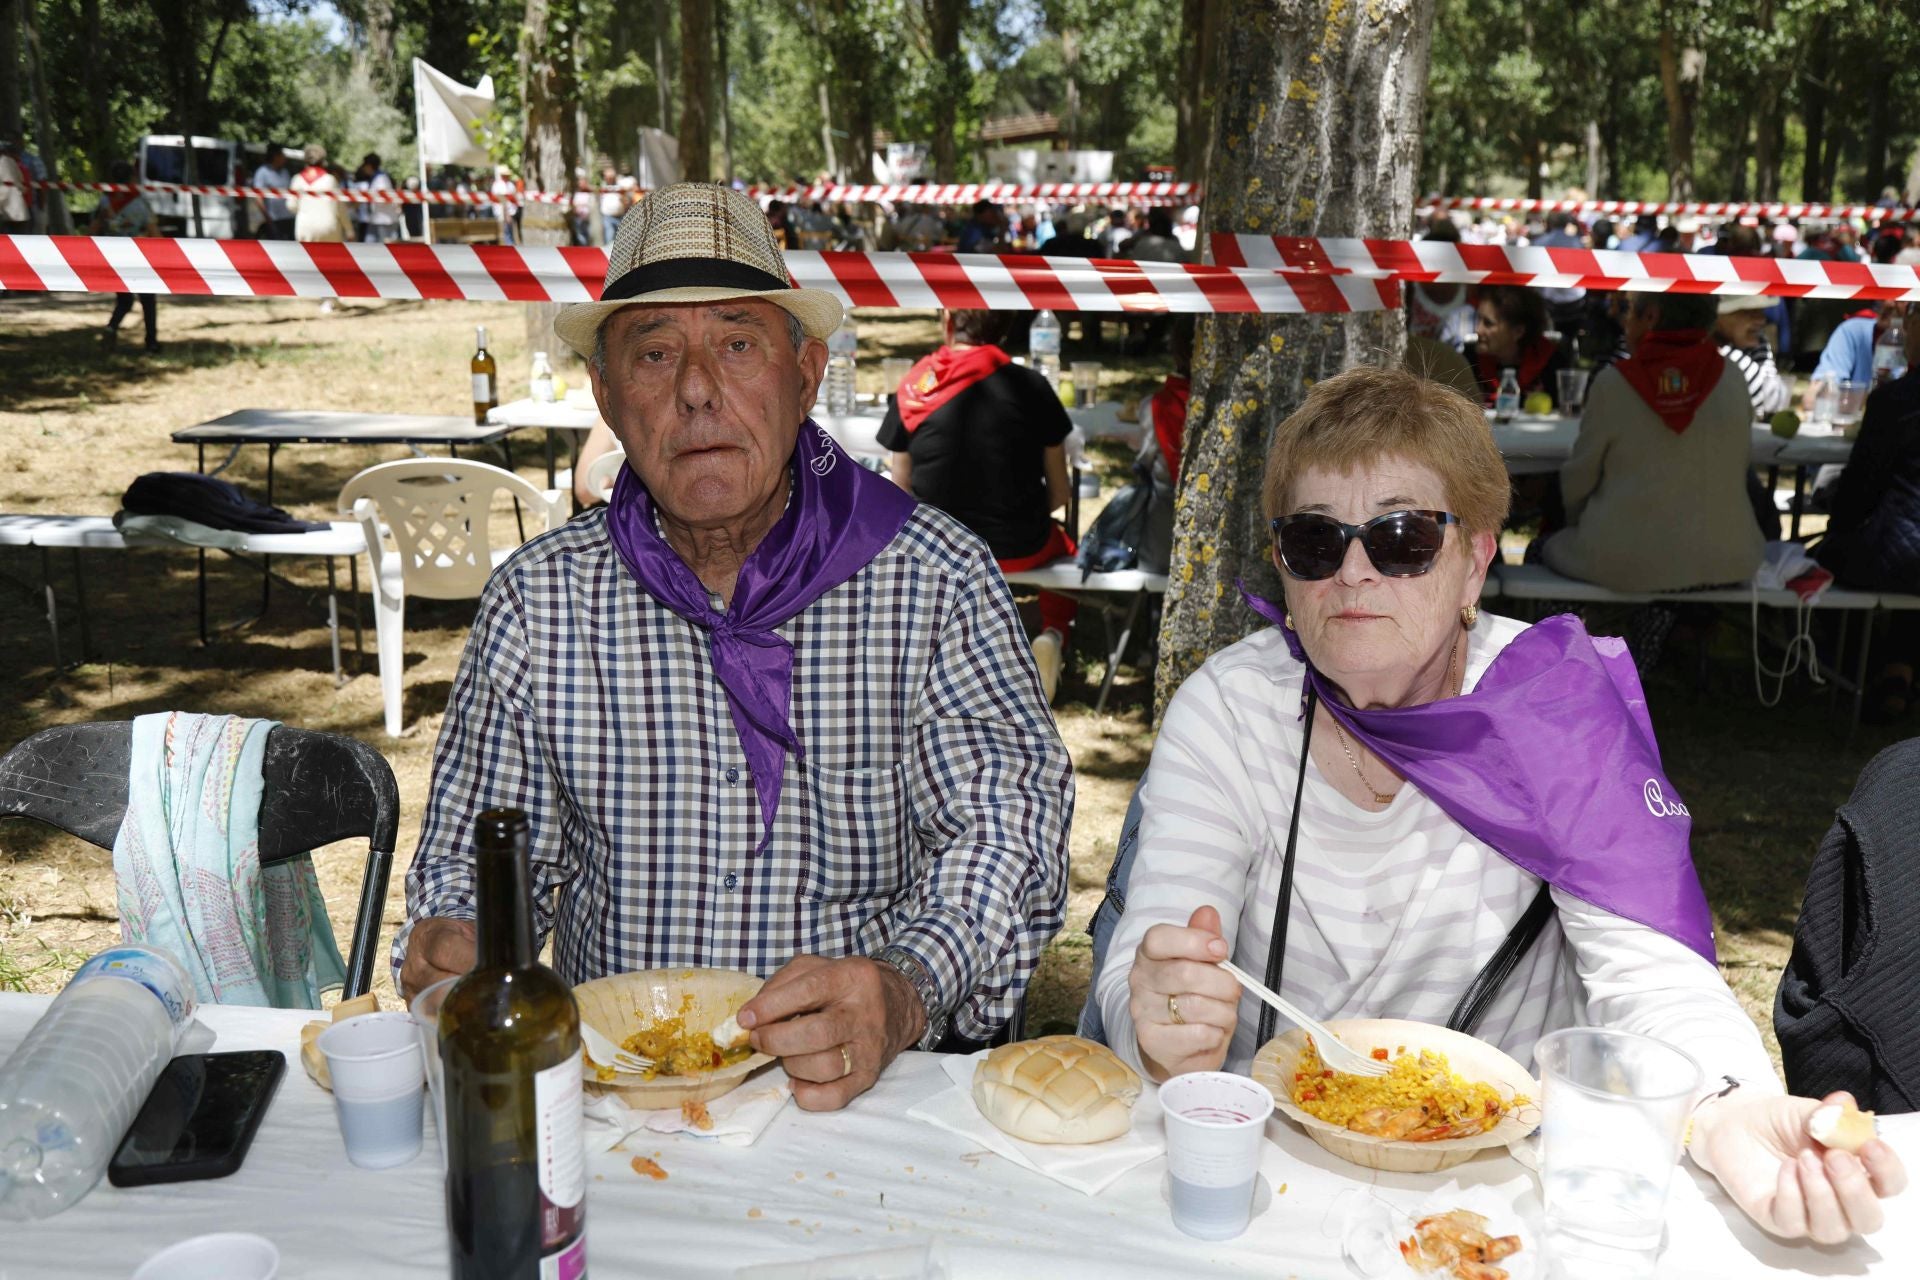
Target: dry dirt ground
79	424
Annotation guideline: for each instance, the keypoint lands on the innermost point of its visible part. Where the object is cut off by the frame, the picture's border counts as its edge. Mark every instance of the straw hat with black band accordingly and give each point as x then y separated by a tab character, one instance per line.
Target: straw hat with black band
695	242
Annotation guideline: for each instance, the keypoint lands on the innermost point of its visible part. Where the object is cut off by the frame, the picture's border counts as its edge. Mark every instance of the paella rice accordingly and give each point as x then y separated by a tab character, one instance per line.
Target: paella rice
1420	1099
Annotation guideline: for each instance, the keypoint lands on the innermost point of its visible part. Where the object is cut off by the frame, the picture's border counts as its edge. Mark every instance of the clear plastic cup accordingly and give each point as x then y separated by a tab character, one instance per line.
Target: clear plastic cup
231	1255
1573	390
1614	1110
1850	403
1086	382
1216	1126
425	1009
375	1062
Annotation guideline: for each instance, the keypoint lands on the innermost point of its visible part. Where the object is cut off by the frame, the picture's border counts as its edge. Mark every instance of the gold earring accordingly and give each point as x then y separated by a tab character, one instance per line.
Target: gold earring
1289	620
1469	615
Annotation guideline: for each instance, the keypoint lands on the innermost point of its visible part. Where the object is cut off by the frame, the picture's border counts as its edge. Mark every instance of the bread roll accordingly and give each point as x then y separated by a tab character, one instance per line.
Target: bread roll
1841	1128
1058	1089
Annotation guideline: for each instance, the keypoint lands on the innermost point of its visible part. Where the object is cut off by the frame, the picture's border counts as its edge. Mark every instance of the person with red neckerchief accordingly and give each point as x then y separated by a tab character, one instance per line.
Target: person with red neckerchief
1510	332
983	439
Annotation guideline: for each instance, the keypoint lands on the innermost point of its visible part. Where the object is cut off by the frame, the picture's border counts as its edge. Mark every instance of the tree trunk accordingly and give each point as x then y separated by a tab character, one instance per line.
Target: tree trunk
1594	167
1738	152
1189	132
1682	68
950	83
100	146
10	74
826	128
1813	111
723	83
379	18
696	90
1879	136
1768	143
1070	51
549	86
662	82
46	132
1317	133
1536	181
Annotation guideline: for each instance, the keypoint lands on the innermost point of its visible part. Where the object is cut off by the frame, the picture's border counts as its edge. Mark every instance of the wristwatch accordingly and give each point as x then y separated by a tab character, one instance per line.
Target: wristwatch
921	979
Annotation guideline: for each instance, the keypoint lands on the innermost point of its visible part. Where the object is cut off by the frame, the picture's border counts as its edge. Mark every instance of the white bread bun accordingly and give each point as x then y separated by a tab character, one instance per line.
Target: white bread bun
1059	1089
1841	1128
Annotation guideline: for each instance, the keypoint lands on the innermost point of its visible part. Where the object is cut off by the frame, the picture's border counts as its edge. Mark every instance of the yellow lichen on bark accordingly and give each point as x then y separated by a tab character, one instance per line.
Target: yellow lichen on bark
1203	482
1299	91
1304	210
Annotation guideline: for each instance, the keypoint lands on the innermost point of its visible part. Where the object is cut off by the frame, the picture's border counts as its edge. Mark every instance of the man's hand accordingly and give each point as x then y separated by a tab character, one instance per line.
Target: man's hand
1759	1149
1178	969
437	948
834	1025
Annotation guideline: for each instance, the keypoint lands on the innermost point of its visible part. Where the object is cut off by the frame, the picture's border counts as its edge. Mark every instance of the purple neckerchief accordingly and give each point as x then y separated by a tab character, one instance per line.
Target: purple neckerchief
1551	761
838	517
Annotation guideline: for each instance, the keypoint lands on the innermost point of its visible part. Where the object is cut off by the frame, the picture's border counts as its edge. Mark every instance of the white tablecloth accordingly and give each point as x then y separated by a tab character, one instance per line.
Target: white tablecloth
815	1185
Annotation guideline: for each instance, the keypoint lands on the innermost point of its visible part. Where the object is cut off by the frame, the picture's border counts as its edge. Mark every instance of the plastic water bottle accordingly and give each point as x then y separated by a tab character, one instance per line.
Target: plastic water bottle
540	380
72	1088
1506	400
1043	344
1890	353
840	351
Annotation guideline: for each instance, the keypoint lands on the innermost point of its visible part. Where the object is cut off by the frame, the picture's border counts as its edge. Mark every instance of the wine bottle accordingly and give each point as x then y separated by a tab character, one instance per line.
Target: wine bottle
510	1053
486	383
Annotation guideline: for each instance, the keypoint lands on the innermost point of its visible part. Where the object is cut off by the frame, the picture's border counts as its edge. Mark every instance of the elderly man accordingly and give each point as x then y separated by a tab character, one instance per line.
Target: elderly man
766	712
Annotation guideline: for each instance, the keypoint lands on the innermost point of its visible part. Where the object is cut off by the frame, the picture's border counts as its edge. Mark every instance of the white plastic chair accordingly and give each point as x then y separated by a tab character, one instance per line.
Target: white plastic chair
436	512
602	472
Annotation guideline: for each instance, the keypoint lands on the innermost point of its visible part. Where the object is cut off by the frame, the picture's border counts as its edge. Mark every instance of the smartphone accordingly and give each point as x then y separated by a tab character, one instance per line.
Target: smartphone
200	1118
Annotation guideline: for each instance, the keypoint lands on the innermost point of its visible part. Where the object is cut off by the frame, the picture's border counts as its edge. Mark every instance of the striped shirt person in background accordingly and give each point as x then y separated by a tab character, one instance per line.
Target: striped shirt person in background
1522	763
1740	331
765	711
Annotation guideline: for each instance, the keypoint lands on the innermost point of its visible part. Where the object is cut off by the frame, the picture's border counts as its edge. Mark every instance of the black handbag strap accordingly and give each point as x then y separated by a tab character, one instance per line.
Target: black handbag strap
1486	984
1277	948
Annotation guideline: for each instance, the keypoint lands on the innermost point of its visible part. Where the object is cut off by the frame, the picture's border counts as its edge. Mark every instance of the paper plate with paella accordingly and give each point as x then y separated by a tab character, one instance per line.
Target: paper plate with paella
669	1016
1446	1096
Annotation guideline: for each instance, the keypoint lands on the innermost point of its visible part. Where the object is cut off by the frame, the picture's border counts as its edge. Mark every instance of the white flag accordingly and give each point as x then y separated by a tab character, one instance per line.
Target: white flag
450	116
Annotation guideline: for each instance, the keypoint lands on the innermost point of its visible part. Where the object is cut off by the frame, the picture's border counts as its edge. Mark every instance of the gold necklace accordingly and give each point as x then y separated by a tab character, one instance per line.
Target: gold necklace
1385	797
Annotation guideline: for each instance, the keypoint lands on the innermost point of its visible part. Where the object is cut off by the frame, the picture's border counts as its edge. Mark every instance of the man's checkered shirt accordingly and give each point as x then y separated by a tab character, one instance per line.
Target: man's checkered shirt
930	812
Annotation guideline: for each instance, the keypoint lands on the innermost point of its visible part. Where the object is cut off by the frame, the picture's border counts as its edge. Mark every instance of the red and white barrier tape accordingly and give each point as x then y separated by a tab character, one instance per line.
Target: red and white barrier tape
1142	192
1709	209
1445	262
1011	282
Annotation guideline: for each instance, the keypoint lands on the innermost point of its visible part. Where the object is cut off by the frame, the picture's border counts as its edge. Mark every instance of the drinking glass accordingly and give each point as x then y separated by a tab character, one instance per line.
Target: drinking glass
1826	402
1851	400
1573	391
426	1021
1614	1111
1086	383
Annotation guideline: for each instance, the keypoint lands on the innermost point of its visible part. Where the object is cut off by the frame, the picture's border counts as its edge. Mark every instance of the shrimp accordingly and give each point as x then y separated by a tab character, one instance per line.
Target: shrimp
1458	1242
1389	1122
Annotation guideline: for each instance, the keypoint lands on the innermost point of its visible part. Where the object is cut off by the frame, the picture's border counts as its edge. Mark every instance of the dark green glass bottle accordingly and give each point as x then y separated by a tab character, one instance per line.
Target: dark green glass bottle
510	1050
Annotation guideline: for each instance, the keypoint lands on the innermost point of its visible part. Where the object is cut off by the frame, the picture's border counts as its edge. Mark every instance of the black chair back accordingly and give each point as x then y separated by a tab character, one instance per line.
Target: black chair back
318	788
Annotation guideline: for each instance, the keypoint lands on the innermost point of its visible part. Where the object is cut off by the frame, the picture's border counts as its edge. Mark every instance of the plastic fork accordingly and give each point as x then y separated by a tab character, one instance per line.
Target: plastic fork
606	1053
1332	1052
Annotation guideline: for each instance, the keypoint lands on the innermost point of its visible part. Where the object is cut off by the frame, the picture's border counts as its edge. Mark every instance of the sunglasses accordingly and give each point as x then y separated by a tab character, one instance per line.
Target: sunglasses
1401	544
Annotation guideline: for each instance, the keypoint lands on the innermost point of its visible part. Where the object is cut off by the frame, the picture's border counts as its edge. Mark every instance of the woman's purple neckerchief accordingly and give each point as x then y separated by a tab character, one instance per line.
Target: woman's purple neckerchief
839	516
1550	761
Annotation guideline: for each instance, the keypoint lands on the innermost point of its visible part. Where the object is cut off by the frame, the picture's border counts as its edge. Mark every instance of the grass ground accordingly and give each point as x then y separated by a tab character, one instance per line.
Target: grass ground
80	424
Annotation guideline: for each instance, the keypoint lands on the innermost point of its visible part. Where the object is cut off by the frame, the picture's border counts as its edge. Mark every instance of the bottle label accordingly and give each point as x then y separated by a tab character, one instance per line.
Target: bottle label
560	1156
483	388
157	971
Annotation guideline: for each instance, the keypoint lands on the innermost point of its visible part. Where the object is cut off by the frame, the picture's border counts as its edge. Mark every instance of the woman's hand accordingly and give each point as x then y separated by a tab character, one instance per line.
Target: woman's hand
1179	968
1759	1149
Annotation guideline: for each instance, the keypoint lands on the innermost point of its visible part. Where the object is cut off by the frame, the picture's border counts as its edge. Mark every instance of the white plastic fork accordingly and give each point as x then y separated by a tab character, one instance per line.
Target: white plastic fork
1335	1054
606	1053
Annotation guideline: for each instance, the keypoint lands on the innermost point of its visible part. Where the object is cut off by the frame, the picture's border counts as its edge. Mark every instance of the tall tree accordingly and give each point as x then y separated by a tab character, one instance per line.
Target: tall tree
949	82
696	90
1683	66
724	78
10	76
1192	85
1317	133
549	87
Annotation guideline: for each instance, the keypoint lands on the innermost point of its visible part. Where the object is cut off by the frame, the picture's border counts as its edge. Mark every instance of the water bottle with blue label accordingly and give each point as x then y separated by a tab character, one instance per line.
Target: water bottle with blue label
1043	345
841	347
69	1092
1506	400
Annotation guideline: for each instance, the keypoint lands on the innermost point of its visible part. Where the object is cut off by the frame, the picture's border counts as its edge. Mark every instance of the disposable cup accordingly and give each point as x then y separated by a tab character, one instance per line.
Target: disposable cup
1216	1125
1614	1108
230	1255
373	1056
426	1019
1573	390
381	1132
1086	382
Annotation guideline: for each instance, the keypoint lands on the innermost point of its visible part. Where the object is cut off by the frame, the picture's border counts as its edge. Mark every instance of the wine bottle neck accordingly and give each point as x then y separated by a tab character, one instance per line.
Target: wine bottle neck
505	905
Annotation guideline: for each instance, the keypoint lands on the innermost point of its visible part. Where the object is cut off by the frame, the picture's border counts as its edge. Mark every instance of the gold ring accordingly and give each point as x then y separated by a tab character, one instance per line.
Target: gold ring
1173	1011
846	1062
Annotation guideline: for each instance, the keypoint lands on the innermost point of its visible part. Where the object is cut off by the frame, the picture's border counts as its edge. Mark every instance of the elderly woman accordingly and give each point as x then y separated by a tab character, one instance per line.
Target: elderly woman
1367	801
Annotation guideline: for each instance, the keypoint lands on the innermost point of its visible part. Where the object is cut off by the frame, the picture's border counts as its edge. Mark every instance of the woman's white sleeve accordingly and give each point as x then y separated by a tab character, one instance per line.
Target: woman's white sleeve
1200	826
1638	979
